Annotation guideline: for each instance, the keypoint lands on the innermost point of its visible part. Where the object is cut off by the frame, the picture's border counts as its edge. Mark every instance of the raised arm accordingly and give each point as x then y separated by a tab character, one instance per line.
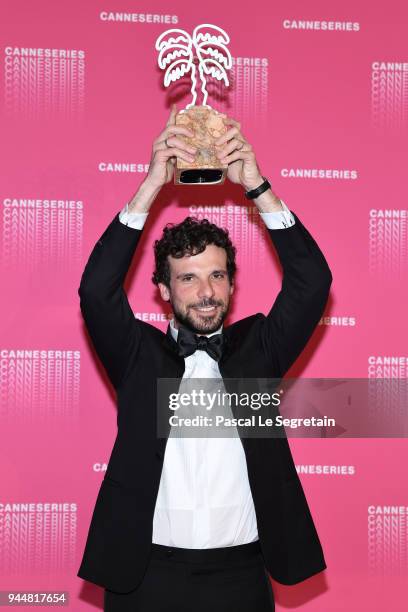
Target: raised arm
109	319
112	326
306	276
302	298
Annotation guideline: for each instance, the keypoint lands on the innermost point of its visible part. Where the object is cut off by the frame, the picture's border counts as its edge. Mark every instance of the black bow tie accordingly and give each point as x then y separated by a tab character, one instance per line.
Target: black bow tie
189	342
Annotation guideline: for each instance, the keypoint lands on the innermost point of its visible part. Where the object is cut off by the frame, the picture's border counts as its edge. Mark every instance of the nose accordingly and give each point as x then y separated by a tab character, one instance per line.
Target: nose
205	290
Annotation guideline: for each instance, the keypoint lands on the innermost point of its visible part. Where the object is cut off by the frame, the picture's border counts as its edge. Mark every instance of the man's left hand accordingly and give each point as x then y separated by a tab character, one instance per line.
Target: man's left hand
235	151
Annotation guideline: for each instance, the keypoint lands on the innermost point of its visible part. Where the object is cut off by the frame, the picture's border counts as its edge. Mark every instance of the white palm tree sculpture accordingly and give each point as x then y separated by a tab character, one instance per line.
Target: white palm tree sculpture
213	45
176	54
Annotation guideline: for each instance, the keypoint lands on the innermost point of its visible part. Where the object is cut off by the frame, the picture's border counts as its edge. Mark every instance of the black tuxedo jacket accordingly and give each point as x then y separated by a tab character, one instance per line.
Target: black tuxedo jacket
135	354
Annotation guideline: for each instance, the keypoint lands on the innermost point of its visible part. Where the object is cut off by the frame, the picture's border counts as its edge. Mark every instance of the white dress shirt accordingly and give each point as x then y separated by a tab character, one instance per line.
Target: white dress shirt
204	498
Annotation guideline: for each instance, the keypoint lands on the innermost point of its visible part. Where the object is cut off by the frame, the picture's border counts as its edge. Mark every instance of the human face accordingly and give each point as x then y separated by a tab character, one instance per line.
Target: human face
199	290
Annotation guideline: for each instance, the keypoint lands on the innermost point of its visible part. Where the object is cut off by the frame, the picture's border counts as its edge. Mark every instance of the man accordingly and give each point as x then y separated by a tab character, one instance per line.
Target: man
197	524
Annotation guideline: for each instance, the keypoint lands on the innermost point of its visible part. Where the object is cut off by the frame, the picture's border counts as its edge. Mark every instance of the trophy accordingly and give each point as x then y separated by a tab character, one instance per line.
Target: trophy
180	53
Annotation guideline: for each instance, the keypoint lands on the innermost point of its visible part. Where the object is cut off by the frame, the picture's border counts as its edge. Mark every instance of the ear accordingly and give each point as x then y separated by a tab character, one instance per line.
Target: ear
164	292
232	287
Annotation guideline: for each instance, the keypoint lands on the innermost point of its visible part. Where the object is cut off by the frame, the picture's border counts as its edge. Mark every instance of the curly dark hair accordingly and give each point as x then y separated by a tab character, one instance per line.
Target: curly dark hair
191	236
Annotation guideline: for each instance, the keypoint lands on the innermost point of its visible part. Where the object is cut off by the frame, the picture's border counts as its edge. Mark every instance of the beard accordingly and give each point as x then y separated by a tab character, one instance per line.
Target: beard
199	322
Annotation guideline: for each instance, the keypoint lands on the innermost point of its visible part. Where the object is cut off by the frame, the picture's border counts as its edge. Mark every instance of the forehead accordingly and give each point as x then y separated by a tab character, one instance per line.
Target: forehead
213	257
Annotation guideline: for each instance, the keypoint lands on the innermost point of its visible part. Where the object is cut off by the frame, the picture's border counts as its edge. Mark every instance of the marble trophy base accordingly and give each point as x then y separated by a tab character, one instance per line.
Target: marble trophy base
207	125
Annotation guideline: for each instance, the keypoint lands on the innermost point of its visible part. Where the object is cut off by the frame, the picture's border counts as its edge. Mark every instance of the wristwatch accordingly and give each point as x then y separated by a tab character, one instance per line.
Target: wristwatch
254	193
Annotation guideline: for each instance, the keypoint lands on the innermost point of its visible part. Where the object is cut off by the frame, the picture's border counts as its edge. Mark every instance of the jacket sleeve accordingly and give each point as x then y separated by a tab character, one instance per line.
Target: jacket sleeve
301	301
114	330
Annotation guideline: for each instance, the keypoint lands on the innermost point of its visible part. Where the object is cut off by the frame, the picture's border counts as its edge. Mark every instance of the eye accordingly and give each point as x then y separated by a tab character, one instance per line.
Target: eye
218	274
187	277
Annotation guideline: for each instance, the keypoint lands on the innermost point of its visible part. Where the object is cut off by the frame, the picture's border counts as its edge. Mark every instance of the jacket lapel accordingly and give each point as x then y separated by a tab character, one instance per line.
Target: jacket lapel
231	366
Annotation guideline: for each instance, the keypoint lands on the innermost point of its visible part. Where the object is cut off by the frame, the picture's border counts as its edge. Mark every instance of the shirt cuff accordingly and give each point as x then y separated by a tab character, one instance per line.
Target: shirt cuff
273	220
133	220
278	219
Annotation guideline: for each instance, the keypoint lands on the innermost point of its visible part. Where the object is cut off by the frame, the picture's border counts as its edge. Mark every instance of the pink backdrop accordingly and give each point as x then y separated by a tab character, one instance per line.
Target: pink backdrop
321	91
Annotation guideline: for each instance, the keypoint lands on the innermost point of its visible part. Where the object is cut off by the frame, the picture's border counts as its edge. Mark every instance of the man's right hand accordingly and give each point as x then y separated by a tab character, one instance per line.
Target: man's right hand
165	149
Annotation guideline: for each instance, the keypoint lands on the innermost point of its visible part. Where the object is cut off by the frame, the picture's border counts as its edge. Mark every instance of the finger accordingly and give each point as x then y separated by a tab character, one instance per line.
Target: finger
231	121
160	146
165	154
173	141
173	129
234	131
234	144
244	155
172	117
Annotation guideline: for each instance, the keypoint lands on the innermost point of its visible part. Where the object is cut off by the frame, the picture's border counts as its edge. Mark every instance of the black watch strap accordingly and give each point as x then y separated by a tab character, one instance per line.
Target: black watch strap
254	193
